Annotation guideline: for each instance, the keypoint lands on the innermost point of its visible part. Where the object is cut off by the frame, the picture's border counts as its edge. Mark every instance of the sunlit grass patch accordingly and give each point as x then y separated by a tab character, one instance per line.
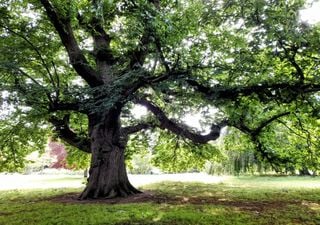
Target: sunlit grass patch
30	195
237	190
288	182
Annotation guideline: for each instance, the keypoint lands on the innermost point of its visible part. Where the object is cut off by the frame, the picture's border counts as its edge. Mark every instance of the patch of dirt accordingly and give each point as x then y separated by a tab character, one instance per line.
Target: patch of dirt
146	196
151	197
5	213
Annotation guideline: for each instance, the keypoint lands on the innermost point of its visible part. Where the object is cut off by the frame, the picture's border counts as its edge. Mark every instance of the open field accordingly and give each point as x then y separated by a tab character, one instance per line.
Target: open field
19	181
232	200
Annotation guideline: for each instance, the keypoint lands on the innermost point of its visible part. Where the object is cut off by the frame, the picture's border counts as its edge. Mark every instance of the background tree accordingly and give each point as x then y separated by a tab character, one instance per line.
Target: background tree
80	66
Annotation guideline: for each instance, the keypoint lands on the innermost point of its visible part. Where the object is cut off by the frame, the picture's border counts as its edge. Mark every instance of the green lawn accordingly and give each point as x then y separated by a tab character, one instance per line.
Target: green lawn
243	200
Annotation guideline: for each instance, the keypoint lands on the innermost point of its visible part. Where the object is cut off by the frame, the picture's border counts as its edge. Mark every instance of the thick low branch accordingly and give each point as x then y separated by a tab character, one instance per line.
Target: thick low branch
77	59
166	123
138	127
66	134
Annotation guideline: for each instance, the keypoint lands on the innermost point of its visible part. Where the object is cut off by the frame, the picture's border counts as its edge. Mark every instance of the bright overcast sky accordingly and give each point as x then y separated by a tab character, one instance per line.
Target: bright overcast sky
311	14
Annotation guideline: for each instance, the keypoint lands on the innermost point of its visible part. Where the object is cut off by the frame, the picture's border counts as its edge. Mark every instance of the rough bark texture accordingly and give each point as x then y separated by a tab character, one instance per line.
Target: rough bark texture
107	175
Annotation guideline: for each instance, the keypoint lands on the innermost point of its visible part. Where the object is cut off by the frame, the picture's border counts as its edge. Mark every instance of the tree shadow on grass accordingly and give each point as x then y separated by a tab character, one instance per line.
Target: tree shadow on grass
156	198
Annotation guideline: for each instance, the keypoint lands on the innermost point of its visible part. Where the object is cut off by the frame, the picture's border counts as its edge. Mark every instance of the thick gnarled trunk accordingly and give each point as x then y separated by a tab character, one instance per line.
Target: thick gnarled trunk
107	176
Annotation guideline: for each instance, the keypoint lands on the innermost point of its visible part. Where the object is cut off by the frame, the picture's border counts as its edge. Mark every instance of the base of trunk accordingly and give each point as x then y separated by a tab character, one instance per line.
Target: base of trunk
108	177
114	192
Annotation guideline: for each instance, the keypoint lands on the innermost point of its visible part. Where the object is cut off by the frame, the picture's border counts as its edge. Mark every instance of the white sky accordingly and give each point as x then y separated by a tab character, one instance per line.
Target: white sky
311	14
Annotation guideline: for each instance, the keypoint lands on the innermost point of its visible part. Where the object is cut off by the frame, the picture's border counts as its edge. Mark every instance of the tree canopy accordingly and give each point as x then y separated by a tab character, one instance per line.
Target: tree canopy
75	69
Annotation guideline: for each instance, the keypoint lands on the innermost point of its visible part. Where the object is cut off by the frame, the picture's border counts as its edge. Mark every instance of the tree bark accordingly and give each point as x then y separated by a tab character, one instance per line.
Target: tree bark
107	175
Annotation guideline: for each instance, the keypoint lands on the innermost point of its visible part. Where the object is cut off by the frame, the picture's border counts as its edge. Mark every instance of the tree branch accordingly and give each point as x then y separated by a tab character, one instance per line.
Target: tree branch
102	52
44	64
64	106
265	123
181	130
266	89
57	86
21	72
146	80
77	59
138	55
161	55
103	55
138	127
292	60
254	132
66	134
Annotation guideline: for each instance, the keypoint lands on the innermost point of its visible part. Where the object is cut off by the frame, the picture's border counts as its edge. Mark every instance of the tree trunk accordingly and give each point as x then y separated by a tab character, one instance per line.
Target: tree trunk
107	175
304	171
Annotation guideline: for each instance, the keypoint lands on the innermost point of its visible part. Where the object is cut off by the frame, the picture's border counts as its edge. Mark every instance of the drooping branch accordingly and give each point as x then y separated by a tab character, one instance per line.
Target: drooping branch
274	160
254	134
256	131
271	91
181	130
23	90
307	137
66	134
265	123
77	59
34	48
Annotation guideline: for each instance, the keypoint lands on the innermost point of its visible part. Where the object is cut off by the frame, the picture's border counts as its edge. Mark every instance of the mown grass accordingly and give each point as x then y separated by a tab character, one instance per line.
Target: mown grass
243	200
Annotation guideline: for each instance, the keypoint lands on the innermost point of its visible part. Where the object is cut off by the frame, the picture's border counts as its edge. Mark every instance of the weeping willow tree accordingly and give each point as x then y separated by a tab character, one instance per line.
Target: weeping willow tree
68	62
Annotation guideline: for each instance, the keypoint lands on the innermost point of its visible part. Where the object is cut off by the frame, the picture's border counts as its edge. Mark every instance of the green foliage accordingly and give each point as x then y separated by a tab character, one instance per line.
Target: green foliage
77	159
240	156
221	44
138	144
140	164
174	154
296	141
20	136
292	141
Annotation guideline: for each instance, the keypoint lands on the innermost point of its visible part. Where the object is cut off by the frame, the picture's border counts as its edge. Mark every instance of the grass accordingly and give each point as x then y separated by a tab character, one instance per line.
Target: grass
243	200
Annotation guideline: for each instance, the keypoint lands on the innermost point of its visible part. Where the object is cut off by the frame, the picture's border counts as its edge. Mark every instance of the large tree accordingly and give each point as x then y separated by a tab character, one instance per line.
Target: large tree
82	65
